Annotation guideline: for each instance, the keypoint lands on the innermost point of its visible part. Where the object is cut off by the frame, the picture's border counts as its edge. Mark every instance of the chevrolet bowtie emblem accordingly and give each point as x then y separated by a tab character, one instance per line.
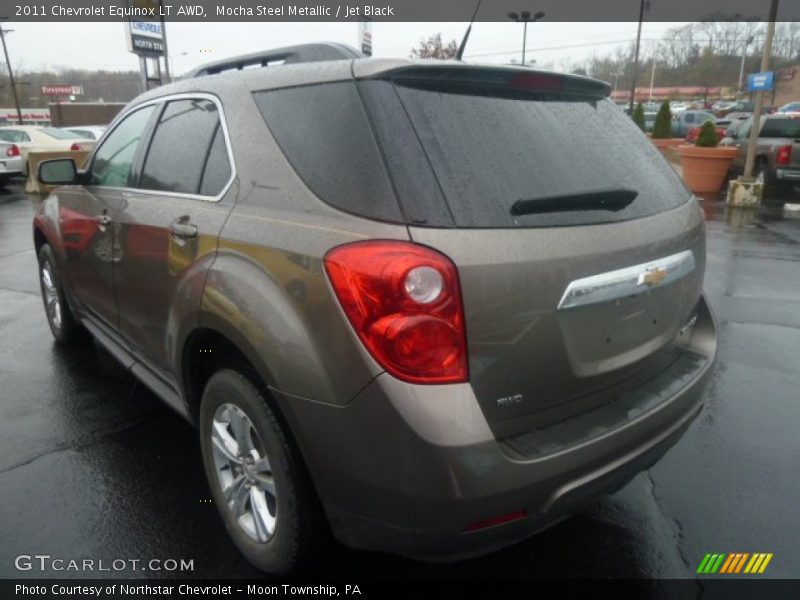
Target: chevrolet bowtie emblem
653	276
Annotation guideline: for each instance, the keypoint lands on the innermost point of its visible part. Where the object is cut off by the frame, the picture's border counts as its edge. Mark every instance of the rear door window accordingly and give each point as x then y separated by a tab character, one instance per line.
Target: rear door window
182	147
324	132
491	147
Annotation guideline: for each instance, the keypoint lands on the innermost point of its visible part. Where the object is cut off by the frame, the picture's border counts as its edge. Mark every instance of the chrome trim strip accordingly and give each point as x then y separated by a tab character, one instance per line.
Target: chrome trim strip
629	281
164	99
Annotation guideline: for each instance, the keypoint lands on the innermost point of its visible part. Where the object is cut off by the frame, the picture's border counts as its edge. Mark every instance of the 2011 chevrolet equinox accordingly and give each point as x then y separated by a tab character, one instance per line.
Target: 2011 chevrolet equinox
432	306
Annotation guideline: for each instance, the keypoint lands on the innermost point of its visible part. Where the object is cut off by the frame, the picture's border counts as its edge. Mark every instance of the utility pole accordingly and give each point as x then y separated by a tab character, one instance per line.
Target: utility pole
747	42
759	108
636	55
11	74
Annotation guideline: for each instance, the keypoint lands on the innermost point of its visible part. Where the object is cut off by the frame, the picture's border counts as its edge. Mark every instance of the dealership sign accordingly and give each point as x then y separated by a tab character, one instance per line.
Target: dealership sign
62	90
759	82
145	35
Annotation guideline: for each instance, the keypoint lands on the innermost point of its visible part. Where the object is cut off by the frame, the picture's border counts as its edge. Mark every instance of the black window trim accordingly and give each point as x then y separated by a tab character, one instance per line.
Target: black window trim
147	138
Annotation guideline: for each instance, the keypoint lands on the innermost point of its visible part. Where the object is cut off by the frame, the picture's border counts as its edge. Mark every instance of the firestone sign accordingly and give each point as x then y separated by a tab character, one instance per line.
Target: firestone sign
62	90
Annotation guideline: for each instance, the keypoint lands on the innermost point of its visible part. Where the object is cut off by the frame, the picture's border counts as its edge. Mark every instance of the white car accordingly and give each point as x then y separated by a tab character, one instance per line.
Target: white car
11	162
42	139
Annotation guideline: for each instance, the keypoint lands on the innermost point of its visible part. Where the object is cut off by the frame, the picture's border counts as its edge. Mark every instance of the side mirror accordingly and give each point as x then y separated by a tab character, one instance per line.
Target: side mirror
58	171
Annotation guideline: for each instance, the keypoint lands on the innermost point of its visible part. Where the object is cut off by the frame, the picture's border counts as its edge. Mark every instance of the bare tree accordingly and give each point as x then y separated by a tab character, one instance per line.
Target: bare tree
433	47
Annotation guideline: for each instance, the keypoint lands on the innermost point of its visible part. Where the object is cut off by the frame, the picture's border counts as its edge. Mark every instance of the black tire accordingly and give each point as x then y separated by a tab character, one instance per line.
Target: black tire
66	329
299	523
773	190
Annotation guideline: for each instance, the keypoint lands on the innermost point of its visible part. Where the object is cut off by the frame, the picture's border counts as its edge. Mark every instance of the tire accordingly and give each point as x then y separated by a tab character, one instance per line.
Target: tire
65	327
772	187
278	535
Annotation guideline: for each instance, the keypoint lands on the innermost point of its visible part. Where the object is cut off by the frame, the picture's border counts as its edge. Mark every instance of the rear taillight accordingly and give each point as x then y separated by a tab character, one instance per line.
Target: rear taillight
784	155
404	302
12	150
75	147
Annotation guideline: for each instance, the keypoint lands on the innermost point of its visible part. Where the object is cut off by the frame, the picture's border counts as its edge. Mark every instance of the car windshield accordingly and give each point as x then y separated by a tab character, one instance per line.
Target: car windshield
12	135
60	134
781	128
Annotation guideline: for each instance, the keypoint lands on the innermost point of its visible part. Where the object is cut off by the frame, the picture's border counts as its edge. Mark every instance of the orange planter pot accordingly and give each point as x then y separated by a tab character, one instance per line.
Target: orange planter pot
704	169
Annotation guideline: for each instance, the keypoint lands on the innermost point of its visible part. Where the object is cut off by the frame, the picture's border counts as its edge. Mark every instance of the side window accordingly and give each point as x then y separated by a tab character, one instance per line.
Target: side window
187	138
114	158
690	118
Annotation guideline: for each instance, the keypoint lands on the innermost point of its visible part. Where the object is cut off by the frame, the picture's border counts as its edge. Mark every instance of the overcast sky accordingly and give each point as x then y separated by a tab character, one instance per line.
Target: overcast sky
102	45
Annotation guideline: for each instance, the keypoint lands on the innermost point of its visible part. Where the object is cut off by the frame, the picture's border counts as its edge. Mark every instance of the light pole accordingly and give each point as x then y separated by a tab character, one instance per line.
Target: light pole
3	33
524	17
616	77
643	5
172	58
747	42
652	75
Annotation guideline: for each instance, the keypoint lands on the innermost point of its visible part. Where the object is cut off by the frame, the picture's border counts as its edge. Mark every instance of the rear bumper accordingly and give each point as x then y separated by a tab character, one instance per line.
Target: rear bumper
788	174
11	166
407	469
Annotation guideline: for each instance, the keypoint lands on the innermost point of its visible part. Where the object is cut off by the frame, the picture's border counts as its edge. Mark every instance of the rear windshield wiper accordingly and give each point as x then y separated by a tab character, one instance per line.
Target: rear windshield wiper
609	199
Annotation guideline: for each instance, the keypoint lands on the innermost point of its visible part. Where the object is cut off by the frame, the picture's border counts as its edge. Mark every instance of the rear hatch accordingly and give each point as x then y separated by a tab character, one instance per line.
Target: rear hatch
580	252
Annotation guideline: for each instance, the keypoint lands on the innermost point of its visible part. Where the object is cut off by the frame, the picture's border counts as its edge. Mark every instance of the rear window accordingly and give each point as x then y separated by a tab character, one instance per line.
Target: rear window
61	134
781	128
490	147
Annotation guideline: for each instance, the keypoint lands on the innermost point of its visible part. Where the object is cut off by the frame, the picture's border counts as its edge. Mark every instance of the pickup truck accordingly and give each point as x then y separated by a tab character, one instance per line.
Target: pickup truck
777	154
683	121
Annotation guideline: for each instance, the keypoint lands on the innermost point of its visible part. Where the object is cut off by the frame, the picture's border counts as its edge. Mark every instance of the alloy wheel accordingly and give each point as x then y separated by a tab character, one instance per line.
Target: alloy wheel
244	472
51	299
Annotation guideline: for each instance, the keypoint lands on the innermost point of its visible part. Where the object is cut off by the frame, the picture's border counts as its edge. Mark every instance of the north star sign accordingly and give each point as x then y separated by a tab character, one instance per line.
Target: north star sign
146	37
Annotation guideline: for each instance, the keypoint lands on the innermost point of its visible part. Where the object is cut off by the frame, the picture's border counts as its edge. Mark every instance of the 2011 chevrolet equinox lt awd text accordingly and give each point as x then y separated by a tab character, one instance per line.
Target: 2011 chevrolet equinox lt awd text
431	307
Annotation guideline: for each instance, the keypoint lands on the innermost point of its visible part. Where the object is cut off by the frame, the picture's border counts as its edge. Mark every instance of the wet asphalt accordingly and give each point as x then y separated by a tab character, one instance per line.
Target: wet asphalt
93	465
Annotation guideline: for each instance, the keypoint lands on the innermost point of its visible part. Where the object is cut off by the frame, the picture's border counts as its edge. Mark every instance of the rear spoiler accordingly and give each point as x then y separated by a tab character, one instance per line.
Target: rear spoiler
501	77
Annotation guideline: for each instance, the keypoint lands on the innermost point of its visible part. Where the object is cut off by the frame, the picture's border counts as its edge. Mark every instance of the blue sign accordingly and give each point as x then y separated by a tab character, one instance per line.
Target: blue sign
759	82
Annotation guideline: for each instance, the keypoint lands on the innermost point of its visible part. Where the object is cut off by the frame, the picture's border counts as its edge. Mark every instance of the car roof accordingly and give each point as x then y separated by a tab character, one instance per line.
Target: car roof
325	71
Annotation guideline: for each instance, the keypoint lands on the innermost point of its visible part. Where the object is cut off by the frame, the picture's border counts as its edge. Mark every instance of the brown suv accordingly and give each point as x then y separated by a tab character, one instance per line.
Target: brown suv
431	306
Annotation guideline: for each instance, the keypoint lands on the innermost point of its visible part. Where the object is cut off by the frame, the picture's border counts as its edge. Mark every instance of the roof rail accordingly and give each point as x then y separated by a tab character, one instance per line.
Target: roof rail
290	55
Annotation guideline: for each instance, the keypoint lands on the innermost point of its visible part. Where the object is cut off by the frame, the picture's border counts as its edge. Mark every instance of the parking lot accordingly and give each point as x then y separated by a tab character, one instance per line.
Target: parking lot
94	465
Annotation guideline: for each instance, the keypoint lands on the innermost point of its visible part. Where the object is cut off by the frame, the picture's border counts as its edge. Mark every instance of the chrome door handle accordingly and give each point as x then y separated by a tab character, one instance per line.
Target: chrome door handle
184	230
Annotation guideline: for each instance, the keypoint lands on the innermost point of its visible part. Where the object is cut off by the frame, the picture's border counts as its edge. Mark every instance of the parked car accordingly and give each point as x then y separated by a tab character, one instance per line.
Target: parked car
790	107
42	139
347	275
88	132
720	125
684	121
11	164
649	120
777	155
